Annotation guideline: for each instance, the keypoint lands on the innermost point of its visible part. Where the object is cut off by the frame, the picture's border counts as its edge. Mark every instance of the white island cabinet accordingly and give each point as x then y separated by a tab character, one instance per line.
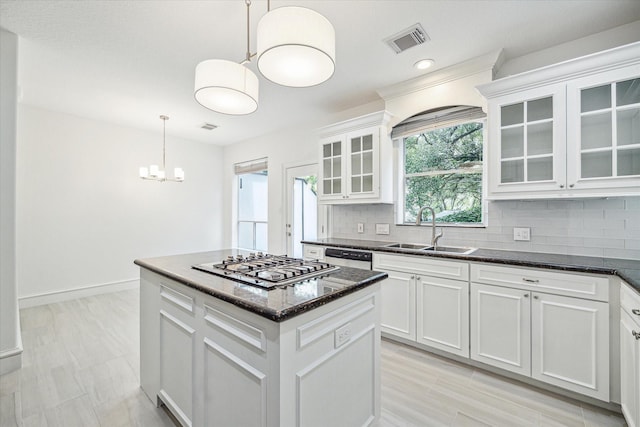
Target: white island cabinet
216	363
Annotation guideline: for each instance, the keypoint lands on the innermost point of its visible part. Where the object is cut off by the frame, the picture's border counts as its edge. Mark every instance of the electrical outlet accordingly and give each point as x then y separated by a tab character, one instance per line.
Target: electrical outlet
382	228
360	227
342	335
522	233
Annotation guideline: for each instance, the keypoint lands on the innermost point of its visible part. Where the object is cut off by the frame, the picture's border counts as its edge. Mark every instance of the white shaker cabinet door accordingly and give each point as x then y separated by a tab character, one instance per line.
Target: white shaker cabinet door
570	344
630	369
443	314
501	327
398	302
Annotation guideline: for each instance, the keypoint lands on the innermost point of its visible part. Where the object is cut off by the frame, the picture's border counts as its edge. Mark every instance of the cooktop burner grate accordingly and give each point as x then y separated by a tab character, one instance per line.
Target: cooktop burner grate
265	270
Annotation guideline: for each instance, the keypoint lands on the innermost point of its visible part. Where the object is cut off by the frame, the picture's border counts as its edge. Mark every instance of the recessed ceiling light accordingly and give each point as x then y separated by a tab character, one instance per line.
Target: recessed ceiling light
423	64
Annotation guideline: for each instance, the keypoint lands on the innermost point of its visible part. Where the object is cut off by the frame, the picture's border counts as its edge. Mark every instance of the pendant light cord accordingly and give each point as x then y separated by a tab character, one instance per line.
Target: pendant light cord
164	140
248	57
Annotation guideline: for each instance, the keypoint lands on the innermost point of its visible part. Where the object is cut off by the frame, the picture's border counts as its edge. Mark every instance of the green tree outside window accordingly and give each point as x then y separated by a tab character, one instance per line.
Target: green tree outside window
443	169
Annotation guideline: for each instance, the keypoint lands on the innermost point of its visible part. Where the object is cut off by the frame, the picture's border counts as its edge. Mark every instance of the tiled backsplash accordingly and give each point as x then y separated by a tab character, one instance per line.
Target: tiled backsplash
591	227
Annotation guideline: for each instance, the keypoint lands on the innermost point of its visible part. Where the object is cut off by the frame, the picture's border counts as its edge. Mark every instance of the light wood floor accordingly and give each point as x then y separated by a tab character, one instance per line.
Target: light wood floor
81	368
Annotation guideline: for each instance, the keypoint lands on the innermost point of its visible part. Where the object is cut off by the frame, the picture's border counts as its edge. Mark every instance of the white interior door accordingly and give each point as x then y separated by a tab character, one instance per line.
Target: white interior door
304	220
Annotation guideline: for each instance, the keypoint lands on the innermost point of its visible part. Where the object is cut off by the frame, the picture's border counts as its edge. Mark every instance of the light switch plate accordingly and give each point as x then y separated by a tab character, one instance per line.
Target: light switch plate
382	228
360	227
522	234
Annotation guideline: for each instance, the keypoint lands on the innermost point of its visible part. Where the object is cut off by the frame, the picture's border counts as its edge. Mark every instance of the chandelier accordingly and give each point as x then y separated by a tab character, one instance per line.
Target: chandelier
153	172
295	48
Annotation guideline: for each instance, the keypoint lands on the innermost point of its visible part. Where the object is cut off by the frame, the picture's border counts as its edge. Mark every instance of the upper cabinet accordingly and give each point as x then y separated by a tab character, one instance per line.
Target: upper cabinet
603	131
356	161
567	130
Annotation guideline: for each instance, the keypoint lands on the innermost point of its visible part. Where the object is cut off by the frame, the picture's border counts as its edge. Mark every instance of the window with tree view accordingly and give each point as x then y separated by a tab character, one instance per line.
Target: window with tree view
443	169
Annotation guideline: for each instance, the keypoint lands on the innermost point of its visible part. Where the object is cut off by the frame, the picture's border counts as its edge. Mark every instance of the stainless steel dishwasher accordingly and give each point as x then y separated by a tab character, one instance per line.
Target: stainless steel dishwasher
348	258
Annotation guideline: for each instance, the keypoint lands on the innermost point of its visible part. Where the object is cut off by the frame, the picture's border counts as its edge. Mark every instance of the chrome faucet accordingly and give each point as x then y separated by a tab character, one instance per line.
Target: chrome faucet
434	237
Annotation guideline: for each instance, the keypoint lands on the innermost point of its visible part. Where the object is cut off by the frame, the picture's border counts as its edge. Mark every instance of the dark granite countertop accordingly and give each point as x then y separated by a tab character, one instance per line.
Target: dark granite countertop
628	270
276	304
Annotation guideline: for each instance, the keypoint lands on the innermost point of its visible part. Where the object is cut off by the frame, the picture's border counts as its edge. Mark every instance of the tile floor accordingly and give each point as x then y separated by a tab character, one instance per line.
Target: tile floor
81	368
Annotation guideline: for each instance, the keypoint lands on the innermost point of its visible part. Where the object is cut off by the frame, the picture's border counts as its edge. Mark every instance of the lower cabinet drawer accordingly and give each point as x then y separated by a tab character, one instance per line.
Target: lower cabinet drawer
630	301
313	252
428	266
549	281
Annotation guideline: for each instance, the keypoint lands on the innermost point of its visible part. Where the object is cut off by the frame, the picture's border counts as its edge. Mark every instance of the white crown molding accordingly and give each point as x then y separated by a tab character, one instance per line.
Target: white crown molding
567	70
379	118
488	62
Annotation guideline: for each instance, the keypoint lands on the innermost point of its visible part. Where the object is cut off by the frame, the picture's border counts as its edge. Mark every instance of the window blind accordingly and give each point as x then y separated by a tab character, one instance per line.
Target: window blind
257	165
438	118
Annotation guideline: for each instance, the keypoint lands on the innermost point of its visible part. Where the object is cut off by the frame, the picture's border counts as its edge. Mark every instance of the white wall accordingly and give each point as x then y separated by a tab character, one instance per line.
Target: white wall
10	342
83	213
609	39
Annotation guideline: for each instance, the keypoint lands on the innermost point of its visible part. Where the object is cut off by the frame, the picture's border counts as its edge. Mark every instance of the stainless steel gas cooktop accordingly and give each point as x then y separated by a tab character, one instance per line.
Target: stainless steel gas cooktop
265	270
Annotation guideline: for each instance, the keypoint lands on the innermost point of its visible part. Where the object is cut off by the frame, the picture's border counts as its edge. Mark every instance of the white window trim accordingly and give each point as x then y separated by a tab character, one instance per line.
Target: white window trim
399	178
239	169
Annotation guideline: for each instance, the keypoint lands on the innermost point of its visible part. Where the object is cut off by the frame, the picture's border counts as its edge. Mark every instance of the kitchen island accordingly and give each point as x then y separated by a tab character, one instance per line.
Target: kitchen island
217	351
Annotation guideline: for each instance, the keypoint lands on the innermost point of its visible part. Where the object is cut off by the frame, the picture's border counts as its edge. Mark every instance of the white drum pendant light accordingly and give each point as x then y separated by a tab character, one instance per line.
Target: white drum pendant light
296	47
226	87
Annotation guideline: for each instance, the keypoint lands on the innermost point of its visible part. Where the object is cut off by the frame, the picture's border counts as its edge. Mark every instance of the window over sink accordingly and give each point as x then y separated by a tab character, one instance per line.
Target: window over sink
441	165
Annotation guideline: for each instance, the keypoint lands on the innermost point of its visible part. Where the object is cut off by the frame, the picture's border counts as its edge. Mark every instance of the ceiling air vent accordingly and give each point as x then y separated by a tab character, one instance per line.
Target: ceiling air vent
208	126
408	38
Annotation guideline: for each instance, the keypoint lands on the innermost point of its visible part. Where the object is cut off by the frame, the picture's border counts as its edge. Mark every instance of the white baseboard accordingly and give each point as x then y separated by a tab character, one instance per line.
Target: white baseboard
59	296
11	360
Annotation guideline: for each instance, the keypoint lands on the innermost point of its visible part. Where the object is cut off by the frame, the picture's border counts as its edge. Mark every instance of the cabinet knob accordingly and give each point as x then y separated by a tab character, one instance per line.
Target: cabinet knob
417	277
535	297
561	186
636	335
636	311
526	295
571	185
413	277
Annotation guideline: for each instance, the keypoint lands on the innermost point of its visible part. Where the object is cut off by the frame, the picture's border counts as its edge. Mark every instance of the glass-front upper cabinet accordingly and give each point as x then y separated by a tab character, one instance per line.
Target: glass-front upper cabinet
361	170
527	141
526	138
356	161
604	130
332	167
566	130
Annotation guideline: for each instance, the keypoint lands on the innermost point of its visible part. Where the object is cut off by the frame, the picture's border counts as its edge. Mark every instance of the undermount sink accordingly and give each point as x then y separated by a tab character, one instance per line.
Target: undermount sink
451	249
461	250
408	246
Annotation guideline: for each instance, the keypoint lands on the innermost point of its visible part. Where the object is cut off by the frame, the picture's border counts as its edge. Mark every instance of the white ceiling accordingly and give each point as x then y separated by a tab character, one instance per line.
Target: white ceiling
127	62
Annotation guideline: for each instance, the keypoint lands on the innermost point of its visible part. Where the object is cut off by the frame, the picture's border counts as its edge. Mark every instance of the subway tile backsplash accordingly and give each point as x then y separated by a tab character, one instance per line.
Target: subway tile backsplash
590	227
